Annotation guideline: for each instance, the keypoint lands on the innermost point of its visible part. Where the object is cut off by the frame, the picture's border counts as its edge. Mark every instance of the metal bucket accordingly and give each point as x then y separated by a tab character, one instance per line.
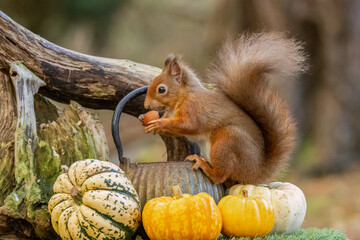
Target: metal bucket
155	179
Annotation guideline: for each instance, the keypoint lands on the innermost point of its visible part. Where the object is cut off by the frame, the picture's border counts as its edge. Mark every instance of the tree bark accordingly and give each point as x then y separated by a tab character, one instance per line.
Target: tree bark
94	82
34	142
7	137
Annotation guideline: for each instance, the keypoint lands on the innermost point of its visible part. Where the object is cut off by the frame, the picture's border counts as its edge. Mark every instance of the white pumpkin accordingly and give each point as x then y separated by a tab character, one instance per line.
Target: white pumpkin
288	201
94	200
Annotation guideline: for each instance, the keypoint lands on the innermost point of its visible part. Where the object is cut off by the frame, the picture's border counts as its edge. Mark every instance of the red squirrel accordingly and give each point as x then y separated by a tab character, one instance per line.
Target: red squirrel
244	129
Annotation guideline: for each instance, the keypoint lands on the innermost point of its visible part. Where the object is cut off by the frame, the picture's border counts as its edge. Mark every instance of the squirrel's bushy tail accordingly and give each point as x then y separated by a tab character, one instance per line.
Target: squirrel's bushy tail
240	73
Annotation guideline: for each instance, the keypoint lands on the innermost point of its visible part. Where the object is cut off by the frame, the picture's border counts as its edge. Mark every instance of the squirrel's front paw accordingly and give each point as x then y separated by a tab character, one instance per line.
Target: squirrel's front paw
141	119
199	161
154	126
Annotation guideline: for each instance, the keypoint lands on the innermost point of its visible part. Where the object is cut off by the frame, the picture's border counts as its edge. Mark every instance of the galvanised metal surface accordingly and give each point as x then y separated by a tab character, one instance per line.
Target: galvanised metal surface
153	180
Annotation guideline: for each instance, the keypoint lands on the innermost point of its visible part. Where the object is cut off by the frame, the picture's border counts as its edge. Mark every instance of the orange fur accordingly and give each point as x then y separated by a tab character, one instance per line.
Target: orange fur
245	130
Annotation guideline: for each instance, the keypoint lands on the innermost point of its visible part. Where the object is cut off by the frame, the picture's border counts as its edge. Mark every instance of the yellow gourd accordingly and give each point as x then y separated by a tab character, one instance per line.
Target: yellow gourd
182	217
288	201
245	216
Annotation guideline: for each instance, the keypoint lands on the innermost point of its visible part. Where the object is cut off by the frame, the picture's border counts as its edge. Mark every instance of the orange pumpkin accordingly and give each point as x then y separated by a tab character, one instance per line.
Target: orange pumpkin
182	217
245	216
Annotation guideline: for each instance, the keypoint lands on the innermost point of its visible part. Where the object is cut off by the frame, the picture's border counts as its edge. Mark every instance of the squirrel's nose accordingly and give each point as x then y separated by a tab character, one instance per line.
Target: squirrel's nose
147	103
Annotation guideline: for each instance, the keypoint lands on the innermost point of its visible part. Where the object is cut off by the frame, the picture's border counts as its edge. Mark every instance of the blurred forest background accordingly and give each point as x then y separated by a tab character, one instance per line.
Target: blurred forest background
325	101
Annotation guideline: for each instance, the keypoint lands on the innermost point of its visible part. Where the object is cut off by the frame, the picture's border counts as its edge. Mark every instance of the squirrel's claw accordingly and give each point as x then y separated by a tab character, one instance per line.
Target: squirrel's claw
153	126
199	161
141	119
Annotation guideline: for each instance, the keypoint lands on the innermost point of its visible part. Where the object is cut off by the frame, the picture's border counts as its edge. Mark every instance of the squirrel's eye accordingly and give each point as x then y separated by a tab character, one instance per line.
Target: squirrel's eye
162	89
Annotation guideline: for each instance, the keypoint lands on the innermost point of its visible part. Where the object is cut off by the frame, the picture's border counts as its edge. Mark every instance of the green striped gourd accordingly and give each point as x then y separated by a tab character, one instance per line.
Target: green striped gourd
94	200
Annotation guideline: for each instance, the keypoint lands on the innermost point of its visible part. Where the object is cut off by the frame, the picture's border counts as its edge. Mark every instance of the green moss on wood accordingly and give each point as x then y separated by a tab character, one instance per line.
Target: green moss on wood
41	143
23	156
45	111
76	124
14	203
33	161
63	141
47	169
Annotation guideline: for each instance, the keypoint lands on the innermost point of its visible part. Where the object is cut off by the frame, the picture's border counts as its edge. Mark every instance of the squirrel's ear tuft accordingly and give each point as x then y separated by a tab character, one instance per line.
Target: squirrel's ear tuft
169	59
173	67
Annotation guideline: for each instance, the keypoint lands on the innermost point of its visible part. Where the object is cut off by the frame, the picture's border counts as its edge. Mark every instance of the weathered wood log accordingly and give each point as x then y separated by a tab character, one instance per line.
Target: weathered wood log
32	149
8	118
94	82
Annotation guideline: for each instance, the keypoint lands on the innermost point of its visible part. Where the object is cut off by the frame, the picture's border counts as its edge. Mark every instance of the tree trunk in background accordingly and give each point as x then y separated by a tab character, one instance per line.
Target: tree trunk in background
326	100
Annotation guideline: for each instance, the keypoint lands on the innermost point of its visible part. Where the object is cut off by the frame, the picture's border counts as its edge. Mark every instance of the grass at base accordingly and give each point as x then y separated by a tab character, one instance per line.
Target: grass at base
302	234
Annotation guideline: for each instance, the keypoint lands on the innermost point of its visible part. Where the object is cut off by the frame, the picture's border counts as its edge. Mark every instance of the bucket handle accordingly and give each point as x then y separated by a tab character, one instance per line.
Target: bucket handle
116	118
193	148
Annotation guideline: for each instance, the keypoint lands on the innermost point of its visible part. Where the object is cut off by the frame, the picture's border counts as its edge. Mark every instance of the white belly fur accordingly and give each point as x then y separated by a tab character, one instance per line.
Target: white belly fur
204	143
202	140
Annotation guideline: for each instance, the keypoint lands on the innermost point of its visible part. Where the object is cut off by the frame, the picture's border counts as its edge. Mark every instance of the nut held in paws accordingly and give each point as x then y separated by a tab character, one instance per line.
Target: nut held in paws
151	115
